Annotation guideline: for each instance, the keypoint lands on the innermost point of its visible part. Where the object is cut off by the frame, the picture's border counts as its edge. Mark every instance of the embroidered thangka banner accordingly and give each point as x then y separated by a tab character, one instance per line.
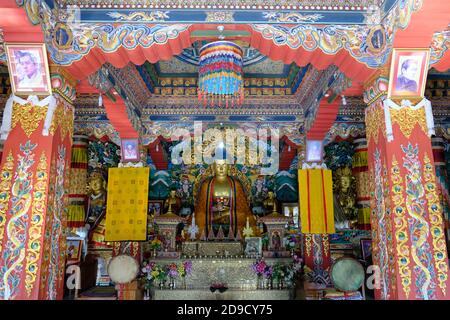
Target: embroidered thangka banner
126	207
316	201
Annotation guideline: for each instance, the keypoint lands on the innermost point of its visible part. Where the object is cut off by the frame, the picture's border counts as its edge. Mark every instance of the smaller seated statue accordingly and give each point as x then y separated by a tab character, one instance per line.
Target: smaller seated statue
276	241
271	204
345	195
96	190
173	203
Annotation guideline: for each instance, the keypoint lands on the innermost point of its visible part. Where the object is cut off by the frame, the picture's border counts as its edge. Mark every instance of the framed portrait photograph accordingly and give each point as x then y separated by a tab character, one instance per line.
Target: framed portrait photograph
366	248
28	68
155	207
253	246
291	210
130	150
314	150
408	74
74	249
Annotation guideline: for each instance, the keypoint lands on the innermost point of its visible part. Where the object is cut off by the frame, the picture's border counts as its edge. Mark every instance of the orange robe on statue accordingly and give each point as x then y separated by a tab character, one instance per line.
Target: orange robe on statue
239	209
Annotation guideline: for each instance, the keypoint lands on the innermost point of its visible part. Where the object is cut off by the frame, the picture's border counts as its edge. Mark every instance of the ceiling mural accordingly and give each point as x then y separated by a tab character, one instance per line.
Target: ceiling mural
294	4
176	66
255	64
364	29
262	76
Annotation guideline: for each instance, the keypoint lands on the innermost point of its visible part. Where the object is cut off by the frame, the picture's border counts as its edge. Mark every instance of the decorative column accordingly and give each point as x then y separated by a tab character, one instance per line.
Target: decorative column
406	216
360	171
78	181
33	192
442	180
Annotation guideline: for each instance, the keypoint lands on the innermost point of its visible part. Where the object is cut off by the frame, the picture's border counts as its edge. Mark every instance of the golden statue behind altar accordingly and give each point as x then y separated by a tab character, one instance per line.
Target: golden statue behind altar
221	202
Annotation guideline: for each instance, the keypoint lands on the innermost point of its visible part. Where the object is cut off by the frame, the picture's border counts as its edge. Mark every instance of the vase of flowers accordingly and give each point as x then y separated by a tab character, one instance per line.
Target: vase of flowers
258	268
184	269
278	274
172	272
161	276
268	276
155	245
147	278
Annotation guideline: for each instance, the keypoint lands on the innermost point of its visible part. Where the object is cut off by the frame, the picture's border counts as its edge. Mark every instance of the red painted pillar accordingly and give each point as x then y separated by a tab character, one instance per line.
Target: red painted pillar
407	224
33	198
442	180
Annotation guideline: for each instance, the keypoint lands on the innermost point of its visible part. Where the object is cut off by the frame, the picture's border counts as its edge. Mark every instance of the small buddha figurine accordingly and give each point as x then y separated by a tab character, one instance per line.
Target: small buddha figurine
270	204
172	203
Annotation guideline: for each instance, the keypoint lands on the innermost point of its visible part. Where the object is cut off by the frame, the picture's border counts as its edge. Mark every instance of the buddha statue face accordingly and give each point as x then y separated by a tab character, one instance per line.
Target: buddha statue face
96	184
220	168
271	195
173	194
345	183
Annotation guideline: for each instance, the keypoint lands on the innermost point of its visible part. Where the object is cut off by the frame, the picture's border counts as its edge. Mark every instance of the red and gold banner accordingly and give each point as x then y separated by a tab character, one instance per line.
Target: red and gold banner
316	201
127	203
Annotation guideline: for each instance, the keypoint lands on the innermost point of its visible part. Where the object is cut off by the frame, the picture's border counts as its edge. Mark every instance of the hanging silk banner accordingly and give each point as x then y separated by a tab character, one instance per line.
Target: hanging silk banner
126	205
316	201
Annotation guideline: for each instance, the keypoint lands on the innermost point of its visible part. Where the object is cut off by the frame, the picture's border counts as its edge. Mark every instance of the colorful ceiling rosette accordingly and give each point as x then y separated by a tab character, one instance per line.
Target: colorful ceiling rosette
220	74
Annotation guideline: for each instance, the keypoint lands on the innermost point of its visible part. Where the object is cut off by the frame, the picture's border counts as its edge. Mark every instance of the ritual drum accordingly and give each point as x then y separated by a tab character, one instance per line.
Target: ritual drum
347	274
123	269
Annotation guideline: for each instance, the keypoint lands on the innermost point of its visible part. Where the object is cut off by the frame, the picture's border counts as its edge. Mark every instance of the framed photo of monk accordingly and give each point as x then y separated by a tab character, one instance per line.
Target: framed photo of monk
314	150
366	248
155	207
28	69
74	249
130	150
408	75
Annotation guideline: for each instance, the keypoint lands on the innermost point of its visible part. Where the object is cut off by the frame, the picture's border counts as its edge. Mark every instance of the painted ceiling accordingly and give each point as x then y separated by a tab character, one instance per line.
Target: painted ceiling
248	11
262	76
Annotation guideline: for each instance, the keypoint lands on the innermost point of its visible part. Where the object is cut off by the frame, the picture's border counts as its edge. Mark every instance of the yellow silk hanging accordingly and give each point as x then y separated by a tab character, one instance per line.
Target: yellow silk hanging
126	206
363	216
316	201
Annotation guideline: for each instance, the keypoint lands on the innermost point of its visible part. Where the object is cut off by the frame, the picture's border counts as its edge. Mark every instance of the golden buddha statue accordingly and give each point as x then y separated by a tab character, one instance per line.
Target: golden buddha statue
173	203
96	190
345	192
271	204
96	210
221	202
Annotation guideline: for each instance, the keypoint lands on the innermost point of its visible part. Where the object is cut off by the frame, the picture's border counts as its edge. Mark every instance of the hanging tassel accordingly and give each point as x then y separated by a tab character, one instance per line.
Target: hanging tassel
100	100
